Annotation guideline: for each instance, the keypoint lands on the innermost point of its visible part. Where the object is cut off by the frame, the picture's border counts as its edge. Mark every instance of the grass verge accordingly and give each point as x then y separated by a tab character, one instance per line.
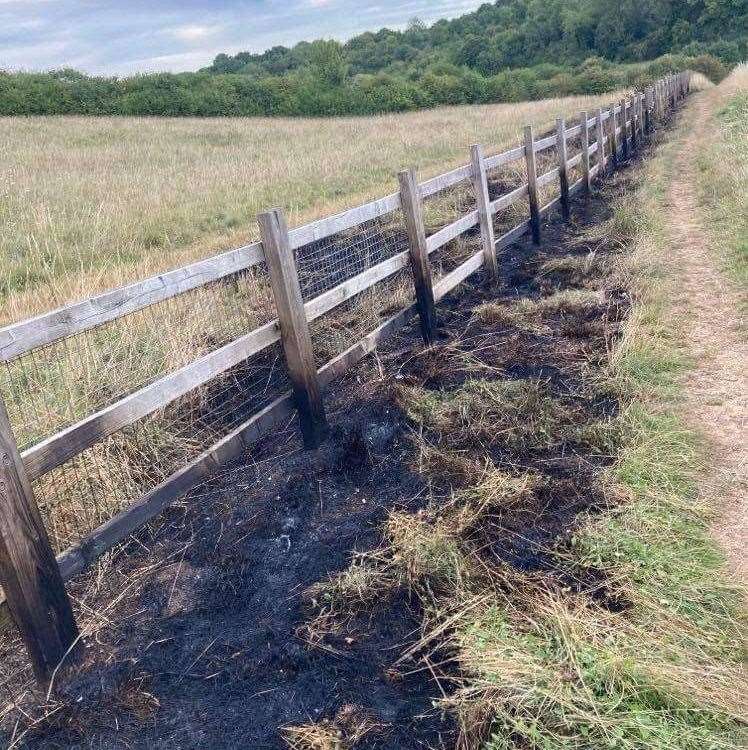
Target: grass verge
723	165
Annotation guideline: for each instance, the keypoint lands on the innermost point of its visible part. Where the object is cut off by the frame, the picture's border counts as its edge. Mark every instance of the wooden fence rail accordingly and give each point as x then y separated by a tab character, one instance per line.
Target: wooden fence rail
33	581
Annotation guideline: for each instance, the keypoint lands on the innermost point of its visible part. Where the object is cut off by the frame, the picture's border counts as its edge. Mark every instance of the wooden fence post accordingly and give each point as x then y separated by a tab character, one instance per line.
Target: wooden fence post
412	203
563	167
647	110
634	126
600	127
586	152
532	183
613	136
297	342
484	209
624	130
29	573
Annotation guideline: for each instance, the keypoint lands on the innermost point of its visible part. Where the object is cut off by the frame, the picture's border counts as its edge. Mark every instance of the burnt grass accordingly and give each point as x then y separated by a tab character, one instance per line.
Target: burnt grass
199	638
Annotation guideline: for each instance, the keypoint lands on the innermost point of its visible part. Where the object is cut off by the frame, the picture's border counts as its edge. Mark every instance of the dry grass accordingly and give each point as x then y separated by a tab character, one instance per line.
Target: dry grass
88	204
344	732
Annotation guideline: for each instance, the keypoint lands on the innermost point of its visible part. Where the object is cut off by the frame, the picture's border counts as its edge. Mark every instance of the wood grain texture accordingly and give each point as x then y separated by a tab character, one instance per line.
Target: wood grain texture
294	327
29	574
483	201
412	202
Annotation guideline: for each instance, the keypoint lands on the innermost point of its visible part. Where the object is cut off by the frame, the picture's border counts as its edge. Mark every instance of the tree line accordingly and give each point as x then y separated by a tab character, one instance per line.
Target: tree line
508	51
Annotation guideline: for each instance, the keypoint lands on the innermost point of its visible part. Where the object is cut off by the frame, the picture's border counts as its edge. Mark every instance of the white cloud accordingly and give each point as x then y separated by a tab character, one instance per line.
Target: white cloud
194	32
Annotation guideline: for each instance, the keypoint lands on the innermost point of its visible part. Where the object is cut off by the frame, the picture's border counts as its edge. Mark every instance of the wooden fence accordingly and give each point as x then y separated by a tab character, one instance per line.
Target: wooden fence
33	577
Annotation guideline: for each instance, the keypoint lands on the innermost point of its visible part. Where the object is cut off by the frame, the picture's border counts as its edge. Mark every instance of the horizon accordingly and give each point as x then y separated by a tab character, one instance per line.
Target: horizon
97	38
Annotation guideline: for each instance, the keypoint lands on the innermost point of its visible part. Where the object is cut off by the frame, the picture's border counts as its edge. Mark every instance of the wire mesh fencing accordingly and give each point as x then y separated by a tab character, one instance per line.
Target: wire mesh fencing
56	386
327	263
441	209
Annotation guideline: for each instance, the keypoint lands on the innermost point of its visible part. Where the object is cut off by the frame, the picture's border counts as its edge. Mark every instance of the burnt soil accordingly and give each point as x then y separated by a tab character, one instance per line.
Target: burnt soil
198	640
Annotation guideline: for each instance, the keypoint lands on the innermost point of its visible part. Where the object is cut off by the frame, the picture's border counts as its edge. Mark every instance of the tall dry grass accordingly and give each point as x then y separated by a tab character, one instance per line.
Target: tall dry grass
88	204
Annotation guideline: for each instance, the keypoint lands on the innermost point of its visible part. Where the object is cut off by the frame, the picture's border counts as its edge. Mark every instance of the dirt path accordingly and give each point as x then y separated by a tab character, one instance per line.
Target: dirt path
717	387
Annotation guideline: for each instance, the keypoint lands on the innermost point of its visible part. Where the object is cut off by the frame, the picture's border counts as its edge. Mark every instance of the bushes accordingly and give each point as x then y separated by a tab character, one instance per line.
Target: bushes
322	89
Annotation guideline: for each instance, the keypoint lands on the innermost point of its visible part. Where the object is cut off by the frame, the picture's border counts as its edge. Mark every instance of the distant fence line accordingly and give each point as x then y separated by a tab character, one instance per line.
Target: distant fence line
113	407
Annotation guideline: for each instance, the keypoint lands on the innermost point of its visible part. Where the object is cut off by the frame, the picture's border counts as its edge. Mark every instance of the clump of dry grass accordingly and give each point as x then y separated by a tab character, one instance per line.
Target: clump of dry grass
344	732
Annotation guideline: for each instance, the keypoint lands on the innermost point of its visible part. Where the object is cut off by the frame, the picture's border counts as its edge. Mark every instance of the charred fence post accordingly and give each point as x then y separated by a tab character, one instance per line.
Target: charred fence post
532	183
586	152
483	201
600	131
624	129
29	573
412	204
294	327
613	136
563	167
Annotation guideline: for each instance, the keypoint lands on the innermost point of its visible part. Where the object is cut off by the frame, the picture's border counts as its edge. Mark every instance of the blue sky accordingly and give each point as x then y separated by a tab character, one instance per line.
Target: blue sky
117	37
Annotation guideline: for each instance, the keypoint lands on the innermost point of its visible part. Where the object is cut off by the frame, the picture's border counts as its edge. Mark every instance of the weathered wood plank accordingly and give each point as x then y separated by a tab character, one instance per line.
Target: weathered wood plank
353	217
509	199
29	574
545	143
452	231
507	157
510	237
483	202
548	209
578	187
548	177
625	129
297	342
65	445
456	277
19	338
78	558
419	255
532	183
353	286
444	181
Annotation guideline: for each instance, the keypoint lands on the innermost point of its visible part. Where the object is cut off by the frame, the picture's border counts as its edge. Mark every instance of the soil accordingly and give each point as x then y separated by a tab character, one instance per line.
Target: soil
717	384
195	634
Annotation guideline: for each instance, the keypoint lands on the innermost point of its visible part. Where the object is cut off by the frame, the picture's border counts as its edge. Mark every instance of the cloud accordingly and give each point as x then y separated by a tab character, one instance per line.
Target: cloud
194	33
119	37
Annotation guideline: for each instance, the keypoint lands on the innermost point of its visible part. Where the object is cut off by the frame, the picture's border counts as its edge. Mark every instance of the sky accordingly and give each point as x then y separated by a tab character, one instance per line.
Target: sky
120	37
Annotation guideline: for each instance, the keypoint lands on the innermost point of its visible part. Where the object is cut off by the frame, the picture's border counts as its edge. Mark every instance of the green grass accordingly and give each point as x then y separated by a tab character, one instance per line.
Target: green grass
723	165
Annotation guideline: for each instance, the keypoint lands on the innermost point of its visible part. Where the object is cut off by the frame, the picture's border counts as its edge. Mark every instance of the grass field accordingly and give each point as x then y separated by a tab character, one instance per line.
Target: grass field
88	204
